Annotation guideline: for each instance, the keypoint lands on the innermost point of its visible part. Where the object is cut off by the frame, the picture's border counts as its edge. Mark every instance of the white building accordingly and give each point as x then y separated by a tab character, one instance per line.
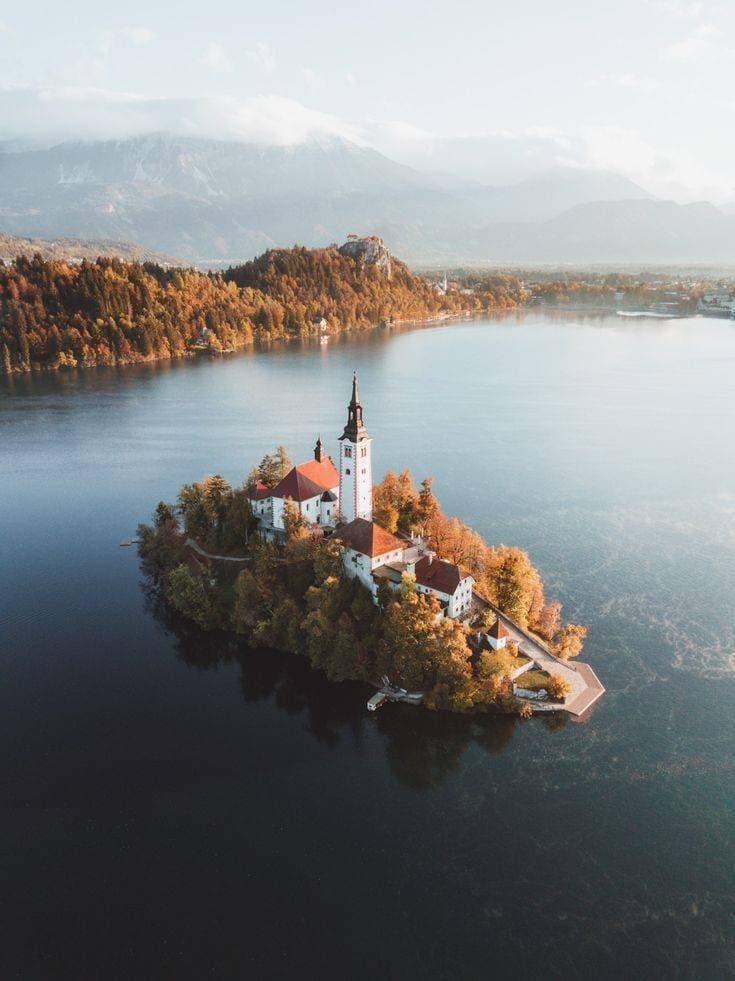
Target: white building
365	548
344	499
497	635
312	486
373	555
355	464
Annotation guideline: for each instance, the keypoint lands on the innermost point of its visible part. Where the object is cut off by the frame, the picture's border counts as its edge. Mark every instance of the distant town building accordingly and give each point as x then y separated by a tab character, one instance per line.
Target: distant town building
717	304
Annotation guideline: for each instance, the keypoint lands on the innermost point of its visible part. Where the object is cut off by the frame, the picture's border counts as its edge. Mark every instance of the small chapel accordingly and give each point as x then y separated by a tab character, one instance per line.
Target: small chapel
338	502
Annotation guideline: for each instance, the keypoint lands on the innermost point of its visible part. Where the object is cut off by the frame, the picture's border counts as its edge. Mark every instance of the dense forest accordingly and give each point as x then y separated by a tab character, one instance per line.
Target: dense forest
295	597
55	314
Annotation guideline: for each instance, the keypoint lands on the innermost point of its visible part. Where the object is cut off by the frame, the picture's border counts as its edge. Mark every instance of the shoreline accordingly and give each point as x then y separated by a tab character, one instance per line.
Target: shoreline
253	343
256	344
584	688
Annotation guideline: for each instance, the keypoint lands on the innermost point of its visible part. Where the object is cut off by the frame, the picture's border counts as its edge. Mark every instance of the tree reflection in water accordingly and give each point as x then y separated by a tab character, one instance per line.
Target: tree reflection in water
422	748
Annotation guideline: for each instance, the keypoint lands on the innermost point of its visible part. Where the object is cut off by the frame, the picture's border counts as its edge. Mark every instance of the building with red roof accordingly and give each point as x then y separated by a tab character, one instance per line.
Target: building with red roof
326	495
497	635
312	486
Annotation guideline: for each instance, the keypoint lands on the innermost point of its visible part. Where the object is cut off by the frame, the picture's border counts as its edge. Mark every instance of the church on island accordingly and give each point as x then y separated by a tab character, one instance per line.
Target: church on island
339	502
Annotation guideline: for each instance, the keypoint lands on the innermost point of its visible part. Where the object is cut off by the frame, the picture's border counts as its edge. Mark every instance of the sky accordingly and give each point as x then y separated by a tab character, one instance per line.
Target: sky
497	90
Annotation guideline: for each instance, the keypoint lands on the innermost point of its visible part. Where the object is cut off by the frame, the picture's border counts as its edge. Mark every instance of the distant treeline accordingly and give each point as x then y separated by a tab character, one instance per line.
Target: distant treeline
602	288
55	314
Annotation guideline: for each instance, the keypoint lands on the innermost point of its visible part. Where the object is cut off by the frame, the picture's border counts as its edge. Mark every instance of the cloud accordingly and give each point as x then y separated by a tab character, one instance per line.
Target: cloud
215	57
698	46
41	117
87	112
637	83
685	9
104	41
138	35
689	51
262	56
309	75
501	157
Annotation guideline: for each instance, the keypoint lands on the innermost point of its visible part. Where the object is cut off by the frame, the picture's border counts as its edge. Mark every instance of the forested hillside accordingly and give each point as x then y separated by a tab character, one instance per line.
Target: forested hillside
56	315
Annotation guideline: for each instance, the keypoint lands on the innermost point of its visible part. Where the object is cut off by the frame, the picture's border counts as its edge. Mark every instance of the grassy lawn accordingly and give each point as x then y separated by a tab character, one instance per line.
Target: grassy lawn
533	680
502	662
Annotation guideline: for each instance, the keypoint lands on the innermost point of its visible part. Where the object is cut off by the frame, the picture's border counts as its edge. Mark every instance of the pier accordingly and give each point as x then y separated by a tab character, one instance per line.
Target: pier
391	693
585	687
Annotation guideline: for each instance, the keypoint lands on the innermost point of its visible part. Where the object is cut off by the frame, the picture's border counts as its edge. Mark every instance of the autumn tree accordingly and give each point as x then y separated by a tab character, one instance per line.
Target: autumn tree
160	546
416	652
191	505
558	687
165	516
426	507
570	640
517	585
548	622
251	603
196	598
294	522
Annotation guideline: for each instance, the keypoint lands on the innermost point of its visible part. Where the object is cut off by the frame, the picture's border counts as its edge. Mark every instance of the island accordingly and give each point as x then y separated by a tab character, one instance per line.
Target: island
370	583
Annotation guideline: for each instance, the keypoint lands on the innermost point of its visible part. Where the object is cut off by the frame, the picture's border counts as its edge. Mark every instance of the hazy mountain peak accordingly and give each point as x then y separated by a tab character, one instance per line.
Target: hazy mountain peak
223	201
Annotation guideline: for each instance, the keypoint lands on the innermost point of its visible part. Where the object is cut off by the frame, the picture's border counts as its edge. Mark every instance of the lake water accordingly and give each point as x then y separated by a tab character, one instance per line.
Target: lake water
174	805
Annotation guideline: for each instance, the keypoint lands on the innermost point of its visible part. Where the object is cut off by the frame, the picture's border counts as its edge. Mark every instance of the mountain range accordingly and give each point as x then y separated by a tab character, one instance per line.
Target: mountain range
76	249
215	202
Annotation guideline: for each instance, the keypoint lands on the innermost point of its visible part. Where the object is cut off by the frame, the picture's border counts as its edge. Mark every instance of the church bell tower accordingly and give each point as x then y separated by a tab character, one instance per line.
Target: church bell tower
355	465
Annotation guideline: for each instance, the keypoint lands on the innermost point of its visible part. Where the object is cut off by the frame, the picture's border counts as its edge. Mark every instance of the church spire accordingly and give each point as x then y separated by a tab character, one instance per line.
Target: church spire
355	467
319	450
355	429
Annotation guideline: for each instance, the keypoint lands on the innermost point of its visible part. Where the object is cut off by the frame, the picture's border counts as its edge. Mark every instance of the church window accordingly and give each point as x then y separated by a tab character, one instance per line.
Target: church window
348	451
348	471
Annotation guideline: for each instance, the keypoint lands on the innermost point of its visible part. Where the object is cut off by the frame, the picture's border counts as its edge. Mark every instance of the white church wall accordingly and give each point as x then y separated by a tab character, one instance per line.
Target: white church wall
356	479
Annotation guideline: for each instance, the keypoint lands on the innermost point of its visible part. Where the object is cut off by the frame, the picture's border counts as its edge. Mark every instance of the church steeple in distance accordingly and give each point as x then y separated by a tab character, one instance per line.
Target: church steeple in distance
319	450
355	430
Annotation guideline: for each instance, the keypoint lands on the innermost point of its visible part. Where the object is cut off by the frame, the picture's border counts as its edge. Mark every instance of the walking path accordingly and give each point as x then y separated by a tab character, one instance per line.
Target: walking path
220	558
585	686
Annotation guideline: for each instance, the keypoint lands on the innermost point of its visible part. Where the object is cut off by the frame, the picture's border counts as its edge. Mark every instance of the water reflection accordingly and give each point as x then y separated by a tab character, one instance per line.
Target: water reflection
421	748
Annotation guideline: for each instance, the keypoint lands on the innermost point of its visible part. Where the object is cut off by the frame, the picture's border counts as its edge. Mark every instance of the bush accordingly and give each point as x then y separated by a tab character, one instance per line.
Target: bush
557	687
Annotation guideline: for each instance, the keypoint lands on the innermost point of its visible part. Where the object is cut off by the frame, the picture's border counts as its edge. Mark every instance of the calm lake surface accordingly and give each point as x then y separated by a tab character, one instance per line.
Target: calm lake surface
176	806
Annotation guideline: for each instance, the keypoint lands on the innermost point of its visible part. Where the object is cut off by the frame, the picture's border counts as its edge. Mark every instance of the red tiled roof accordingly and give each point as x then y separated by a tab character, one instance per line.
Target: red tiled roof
439	575
297	486
324	473
367	538
498	630
260	491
